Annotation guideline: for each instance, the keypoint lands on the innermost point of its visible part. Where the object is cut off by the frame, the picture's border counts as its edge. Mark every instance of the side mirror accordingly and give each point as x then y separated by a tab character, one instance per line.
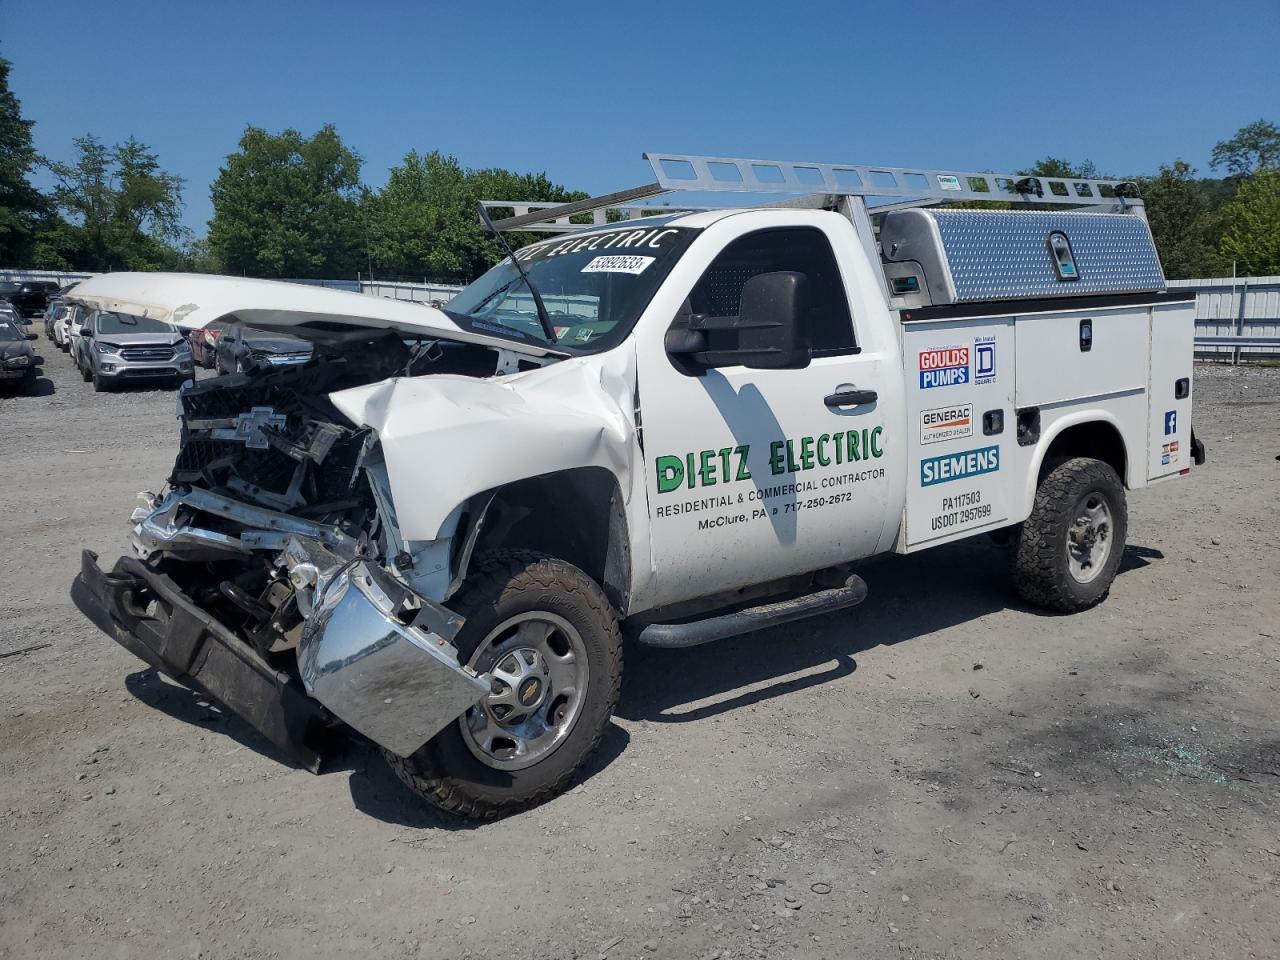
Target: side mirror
773	320
771	328
86	332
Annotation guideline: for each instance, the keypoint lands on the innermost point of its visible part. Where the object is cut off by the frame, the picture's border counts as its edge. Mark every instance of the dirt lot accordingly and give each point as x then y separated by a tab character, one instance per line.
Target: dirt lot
941	773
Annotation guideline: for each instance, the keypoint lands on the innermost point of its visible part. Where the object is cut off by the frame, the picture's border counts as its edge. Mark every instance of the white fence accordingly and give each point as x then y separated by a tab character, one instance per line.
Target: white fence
1236	307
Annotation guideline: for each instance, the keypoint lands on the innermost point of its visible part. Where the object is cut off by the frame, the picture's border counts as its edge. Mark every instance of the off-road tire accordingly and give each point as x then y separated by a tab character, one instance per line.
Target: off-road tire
502	584
1042	573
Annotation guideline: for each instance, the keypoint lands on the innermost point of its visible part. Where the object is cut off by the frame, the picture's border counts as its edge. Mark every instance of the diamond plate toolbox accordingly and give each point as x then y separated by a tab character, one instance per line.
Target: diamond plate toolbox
975	255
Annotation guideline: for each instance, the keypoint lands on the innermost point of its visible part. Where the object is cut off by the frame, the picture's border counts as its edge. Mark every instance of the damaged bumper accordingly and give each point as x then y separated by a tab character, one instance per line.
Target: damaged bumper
397	683
369	653
147	614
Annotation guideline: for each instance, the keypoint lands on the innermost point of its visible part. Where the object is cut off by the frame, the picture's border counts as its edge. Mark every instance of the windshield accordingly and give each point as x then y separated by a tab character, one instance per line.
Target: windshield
109	323
9	331
594	286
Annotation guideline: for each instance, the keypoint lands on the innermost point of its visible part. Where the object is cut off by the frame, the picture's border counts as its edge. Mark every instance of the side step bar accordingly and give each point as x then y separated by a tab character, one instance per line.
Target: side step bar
697	632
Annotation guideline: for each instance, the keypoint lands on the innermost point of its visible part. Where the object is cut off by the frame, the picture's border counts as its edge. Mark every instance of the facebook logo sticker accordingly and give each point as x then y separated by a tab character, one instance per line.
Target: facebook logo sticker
1171	422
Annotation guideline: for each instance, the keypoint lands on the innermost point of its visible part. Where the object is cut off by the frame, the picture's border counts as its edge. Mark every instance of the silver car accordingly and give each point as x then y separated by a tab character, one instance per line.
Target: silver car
121	347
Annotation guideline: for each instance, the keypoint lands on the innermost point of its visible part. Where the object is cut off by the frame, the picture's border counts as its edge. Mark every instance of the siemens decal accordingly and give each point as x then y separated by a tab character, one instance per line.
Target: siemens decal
957	466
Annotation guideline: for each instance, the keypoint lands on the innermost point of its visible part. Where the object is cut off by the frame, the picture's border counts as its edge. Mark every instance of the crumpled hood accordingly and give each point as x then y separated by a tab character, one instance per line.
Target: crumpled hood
191	300
446	438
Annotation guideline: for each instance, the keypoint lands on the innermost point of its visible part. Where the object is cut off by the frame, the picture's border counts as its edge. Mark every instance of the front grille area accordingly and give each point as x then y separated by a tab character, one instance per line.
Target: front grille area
153	354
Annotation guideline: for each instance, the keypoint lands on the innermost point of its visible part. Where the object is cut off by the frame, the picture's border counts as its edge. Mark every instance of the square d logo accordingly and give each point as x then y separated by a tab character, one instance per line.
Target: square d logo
984	362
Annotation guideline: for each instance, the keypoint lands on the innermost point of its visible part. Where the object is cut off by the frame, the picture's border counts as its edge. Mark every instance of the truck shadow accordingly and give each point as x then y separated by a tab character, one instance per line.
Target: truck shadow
910	596
375	790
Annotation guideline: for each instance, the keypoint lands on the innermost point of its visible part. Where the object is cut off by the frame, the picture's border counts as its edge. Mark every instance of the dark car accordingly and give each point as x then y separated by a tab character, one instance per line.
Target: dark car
204	344
31	296
241	349
17	358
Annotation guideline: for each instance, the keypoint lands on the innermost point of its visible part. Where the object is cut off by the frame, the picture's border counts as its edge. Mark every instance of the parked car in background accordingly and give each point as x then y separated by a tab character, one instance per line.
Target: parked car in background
31	296
77	346
9	312
204	344
122	347
17	358
57	307
241	349
60	325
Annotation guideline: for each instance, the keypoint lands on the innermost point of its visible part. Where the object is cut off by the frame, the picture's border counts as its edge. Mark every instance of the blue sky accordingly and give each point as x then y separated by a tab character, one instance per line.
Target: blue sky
579	90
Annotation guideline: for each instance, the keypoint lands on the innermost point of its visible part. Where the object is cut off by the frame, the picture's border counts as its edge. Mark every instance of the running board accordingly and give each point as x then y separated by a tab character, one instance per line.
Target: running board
697	632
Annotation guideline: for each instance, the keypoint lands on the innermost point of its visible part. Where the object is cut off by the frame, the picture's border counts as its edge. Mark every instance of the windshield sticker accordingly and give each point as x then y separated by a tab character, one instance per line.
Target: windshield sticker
618	264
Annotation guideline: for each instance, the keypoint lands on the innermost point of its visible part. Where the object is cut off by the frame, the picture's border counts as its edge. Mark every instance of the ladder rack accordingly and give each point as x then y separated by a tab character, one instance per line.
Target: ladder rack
841	186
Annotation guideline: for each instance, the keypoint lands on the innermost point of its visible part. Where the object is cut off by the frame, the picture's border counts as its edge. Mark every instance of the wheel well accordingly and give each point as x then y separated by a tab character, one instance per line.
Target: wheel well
574	515
1097	439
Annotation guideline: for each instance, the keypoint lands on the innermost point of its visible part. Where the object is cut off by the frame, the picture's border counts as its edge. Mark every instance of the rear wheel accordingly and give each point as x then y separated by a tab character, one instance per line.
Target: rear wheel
549	637
1070	548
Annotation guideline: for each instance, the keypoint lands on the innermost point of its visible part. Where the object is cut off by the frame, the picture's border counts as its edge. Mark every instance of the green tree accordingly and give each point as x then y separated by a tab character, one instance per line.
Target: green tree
423	223
1255	146
1180	213
22	208
122	210
285	205
1251	225
1061	169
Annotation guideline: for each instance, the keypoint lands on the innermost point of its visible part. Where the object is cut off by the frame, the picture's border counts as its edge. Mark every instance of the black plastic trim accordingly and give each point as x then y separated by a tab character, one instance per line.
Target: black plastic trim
193	648
1002	308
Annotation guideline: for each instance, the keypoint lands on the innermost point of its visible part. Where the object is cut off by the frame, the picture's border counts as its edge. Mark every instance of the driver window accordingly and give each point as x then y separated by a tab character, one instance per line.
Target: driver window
802	249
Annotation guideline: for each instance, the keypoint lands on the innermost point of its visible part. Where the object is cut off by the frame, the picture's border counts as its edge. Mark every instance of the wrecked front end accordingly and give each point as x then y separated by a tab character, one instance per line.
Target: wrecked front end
270	574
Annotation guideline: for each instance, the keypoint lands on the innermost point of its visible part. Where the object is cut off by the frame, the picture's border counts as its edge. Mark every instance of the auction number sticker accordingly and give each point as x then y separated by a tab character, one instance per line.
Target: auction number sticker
618	263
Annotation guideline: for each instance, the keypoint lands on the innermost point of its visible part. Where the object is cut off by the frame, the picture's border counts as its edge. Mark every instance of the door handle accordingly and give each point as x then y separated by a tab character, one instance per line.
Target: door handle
850	398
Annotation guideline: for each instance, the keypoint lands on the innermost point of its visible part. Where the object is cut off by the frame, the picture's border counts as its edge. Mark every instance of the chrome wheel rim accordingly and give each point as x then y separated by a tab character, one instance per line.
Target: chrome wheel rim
538	662
1090	538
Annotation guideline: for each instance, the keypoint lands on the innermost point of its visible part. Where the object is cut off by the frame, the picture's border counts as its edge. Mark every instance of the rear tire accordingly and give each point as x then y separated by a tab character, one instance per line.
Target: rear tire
452	770
1070	548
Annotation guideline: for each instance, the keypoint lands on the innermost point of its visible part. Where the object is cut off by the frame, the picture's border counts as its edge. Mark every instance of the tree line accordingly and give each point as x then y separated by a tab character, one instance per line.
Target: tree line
294	206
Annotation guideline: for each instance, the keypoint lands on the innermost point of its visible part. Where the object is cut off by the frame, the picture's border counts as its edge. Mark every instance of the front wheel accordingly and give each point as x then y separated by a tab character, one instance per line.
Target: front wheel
549	637
1070	548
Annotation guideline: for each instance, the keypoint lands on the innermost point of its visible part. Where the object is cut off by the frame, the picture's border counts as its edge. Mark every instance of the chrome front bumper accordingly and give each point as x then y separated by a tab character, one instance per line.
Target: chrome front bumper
399	683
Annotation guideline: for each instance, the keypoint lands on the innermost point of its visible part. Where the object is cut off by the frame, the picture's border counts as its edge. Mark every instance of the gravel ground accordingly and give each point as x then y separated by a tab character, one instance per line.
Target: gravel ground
942	772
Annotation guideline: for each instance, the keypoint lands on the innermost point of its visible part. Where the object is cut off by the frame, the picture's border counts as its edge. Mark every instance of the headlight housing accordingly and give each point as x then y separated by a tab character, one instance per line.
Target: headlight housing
17	361
182	348
105	347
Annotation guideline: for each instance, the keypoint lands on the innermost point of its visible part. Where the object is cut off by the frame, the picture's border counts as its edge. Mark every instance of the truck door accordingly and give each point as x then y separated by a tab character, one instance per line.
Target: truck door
758	474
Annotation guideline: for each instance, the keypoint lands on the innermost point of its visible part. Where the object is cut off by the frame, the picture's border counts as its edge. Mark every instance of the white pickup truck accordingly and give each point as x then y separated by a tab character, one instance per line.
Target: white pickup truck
690	425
